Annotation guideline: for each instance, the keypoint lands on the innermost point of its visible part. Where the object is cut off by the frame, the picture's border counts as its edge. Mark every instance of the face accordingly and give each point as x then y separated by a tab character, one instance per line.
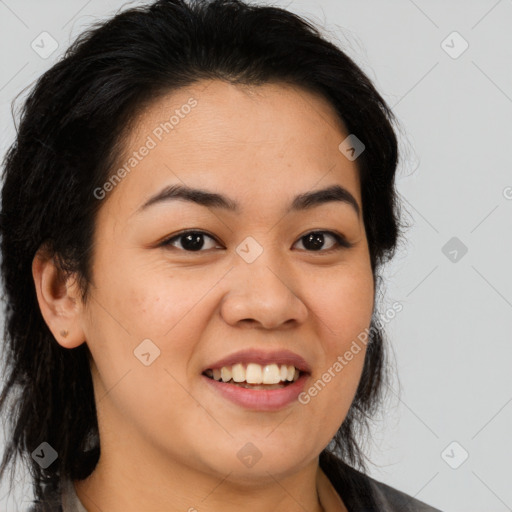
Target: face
260	273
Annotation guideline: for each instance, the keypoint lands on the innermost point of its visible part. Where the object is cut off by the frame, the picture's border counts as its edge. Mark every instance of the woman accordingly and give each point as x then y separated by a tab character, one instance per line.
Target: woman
194	214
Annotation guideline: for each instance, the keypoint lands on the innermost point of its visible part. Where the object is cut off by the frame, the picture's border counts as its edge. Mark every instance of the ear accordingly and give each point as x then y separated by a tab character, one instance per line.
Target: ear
59	300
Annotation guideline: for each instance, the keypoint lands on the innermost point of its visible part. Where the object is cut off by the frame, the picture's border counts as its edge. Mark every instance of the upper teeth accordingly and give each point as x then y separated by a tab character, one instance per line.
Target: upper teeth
255	373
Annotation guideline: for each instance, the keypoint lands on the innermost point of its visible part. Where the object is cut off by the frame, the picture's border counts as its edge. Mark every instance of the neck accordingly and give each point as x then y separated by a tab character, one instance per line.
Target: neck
116	491
128	479
134	473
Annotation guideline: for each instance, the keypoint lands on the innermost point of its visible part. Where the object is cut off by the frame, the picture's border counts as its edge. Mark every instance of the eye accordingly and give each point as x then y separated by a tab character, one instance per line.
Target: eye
194	241
189	240
315	240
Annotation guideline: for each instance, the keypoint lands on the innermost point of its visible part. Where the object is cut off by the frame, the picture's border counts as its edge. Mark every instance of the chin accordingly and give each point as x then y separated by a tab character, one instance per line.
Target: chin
261	461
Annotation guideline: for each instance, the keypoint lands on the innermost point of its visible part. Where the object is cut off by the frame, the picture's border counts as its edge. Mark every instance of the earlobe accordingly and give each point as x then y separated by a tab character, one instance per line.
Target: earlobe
59	300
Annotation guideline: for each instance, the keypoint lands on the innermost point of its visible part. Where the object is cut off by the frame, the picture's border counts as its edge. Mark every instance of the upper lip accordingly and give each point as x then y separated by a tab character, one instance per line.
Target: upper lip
263	357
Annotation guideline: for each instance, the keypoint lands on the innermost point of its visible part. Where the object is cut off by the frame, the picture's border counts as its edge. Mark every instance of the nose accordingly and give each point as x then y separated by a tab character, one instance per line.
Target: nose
263	294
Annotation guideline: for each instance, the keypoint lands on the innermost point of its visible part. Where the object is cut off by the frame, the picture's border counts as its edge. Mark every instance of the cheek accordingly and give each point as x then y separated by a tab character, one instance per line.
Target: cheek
344	306
345	302
160	305
151	297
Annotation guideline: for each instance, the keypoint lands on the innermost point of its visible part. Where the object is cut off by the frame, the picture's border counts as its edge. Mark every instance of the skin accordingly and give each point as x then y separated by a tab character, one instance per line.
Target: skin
168	442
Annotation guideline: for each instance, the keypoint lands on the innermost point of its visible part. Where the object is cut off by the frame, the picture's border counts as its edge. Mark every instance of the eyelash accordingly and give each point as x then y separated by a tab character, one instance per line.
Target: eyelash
341	241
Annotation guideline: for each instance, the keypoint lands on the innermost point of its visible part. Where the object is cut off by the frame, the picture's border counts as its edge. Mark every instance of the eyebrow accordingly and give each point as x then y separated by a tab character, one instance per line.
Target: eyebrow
334	193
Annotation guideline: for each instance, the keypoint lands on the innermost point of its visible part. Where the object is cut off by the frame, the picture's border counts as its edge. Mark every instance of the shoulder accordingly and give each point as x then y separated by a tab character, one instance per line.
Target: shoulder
361	493
391	499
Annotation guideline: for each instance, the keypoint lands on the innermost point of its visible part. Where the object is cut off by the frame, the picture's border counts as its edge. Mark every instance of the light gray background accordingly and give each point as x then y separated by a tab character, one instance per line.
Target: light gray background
452	341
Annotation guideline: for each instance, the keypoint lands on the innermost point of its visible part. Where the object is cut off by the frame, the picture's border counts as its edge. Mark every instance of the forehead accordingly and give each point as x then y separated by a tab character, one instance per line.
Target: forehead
246	140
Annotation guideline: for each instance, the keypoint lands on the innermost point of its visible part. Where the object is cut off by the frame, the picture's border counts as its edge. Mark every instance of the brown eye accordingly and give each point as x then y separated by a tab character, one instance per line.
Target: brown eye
316	240
189	240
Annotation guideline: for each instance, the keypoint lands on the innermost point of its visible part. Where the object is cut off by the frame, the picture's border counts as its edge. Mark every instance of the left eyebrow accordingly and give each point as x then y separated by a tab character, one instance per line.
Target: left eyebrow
325	195
334	193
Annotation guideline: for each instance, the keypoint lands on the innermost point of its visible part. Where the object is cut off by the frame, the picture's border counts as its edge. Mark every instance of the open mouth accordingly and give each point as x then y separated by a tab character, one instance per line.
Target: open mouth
255	376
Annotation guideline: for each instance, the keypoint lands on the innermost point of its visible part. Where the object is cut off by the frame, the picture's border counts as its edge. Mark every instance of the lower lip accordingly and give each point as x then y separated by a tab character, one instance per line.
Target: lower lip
260	399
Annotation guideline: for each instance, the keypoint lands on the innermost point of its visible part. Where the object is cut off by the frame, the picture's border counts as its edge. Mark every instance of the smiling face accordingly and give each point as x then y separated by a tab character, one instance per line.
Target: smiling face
264	270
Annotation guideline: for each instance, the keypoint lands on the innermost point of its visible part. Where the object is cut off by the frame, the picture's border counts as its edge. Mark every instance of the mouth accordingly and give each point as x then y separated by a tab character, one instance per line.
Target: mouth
256	376
258	380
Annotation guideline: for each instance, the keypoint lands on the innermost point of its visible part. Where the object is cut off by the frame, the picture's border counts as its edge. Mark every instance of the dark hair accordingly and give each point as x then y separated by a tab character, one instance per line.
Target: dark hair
70	134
